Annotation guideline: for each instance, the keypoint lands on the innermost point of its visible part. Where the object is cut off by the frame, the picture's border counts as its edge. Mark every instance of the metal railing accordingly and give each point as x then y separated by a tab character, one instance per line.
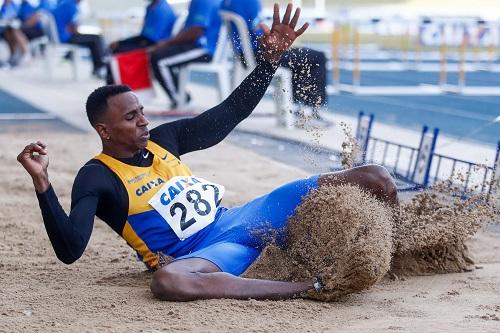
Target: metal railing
421	165
472	175
395	163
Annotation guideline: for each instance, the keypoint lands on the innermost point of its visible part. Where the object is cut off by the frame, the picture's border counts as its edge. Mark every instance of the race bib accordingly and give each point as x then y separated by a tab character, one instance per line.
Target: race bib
188	204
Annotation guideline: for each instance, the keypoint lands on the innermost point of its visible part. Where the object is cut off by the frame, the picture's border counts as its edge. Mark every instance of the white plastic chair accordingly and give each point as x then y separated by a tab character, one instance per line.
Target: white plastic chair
283	78
219	65
179	23
56	48
37	44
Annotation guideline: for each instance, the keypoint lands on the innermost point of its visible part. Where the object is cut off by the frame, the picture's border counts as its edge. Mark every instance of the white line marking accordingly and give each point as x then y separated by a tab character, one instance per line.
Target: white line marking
26	116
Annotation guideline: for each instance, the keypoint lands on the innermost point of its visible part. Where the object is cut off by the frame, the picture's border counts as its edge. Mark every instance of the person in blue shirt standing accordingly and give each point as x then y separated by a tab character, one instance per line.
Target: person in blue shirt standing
308	66
158	24
18	36
66	14
194	43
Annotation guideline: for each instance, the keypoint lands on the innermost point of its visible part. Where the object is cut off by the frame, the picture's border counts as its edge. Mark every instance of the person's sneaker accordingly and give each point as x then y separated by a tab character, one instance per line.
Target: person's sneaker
26	59
319	122
100	73
19	59
174	105
68	55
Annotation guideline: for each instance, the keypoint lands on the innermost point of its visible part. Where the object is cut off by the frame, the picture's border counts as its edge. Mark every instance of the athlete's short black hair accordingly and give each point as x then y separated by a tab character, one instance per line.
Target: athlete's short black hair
97	102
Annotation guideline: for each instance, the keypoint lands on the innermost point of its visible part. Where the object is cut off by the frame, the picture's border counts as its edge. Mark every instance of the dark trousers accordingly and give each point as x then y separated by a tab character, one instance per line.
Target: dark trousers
32	32
166	62
308	69
308	75
127	45
132	43
95	44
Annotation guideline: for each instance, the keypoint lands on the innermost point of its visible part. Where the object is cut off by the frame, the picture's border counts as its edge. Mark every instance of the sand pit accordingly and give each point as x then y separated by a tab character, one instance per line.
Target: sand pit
107	290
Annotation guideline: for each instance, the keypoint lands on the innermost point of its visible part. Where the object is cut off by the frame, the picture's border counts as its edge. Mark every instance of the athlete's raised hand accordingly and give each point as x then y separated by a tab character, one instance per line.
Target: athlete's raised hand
282	34
35	160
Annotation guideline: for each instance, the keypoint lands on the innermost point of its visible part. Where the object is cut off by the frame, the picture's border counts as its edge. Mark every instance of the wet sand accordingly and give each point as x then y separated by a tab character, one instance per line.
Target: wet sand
107	290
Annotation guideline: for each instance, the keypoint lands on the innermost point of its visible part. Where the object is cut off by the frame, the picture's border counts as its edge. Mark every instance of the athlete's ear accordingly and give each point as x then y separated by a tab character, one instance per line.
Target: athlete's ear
102	130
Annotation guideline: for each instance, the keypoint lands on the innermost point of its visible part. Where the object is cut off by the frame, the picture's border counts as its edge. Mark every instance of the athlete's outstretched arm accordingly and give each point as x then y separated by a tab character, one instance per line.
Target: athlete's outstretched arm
68	235
196	278
210	127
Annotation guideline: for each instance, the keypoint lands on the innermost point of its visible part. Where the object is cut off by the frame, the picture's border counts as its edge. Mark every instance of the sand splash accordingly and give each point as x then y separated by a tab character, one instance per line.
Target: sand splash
350	147
342	234
431	229
351	240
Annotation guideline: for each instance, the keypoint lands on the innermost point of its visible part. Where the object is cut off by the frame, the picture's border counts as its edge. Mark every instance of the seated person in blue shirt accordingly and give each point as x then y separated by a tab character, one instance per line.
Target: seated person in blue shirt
47	5
194	43
17	37
308	66
8	14
158	24
8	10
66	14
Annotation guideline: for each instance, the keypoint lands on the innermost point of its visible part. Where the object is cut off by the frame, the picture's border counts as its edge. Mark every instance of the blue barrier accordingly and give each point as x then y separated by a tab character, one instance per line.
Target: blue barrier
363	132
495	174
421	161
425	155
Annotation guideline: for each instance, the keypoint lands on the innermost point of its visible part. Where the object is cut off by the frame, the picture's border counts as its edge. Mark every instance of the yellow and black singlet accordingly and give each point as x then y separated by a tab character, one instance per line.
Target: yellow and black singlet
145	230
115	190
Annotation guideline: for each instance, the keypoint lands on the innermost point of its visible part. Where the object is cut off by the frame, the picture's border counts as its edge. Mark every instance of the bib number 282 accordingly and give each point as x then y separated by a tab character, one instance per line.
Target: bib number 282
201	207
188	204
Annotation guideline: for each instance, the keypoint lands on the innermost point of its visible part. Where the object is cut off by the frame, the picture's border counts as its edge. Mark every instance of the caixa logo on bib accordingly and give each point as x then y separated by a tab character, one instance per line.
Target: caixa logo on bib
177	187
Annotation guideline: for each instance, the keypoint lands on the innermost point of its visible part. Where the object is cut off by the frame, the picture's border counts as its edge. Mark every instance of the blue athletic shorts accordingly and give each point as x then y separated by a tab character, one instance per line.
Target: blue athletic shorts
239	234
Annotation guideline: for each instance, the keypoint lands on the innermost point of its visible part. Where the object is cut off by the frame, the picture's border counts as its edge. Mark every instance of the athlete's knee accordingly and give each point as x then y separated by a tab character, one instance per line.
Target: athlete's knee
171	285
380	180
163	285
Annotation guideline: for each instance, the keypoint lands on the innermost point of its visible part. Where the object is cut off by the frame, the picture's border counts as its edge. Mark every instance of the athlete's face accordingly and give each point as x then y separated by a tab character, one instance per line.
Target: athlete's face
125	125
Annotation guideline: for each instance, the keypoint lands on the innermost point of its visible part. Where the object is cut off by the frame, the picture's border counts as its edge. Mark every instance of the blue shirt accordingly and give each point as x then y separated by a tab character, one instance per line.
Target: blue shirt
65	14
249	10
47	5
26	11
8	10
205	14
159	21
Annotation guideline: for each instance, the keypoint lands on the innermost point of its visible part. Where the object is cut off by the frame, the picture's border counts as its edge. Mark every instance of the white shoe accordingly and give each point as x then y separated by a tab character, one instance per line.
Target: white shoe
20	59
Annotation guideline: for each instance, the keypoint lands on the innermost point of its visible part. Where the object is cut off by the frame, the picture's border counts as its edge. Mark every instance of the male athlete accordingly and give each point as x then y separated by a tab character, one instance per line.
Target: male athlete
142	190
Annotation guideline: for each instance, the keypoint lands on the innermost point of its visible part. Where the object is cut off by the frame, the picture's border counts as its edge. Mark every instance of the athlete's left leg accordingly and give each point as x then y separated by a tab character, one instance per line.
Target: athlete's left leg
373	178
195	278
212	271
